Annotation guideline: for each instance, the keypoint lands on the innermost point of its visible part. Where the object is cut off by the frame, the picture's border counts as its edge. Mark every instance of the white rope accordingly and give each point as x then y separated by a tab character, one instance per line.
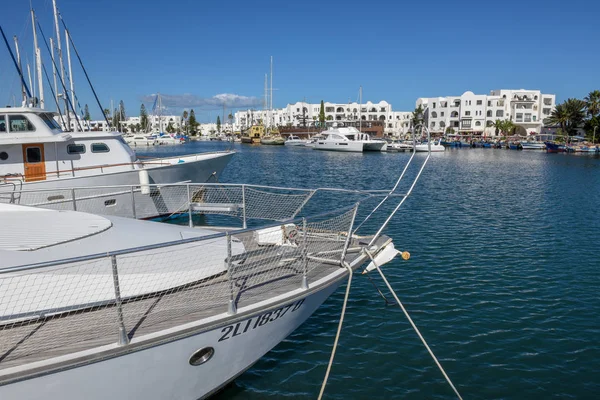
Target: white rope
414	327
339	330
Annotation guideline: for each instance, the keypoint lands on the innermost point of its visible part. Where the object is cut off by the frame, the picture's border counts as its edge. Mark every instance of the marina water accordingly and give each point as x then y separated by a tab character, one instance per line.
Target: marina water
503	281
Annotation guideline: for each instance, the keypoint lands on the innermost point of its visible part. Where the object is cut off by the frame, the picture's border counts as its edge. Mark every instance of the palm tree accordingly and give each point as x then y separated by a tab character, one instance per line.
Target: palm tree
592	103
568	115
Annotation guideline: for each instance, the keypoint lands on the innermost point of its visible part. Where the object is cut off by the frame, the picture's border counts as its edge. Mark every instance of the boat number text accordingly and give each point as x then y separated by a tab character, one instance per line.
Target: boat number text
232	331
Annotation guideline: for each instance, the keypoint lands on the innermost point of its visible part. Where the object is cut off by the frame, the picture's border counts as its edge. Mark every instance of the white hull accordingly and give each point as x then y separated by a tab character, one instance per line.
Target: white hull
533	146
425	148
161	370
347	146
374	145
297	142
198	169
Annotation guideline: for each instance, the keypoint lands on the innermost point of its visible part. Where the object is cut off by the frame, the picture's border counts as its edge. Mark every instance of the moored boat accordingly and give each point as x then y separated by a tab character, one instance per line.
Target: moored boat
36	154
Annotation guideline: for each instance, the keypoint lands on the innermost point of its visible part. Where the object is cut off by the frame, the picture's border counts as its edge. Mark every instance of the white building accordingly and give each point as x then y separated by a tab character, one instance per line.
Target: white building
307	114
471	113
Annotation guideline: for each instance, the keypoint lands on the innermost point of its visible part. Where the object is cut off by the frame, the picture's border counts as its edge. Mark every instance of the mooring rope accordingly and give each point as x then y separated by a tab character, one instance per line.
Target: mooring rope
414	326
339	330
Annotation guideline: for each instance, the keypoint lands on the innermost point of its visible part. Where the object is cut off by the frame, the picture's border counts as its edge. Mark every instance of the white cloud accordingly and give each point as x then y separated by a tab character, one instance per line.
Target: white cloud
229	100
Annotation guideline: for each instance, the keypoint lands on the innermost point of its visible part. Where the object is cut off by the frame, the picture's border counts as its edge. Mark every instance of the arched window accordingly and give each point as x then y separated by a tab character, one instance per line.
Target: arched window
489	113
382	117
454	114
433	114
432	124
442	124
477	123
373	109
340	110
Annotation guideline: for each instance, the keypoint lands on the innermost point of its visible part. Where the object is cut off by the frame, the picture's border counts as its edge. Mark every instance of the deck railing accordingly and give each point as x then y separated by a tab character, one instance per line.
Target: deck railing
64	306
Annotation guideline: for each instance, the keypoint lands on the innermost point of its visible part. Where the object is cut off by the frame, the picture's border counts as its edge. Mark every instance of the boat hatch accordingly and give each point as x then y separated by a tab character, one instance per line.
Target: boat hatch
19	233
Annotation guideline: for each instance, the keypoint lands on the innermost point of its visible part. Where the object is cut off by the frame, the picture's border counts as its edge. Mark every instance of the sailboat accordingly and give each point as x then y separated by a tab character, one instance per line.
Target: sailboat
273	137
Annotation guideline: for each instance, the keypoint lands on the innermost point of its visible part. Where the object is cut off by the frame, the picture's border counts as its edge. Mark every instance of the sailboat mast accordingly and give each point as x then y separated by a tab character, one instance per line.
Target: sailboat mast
38	61
271	83
159	105
60	59
54	74
266	102
23	94
360	109
71	75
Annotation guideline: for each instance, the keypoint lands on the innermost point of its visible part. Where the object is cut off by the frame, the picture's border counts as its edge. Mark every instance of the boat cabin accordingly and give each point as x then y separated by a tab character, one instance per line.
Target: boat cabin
34	148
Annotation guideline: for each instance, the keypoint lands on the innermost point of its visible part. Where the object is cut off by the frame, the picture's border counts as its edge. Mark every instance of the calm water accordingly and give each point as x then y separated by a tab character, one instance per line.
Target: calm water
503	281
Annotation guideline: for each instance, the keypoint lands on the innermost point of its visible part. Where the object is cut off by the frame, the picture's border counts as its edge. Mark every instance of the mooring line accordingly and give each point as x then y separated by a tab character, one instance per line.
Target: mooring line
339	330
414	326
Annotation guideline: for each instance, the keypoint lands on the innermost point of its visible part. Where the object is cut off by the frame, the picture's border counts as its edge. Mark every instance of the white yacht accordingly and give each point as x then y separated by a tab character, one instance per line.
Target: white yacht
105	307
36	154
435	146
168	139
140	140
294	140
348	139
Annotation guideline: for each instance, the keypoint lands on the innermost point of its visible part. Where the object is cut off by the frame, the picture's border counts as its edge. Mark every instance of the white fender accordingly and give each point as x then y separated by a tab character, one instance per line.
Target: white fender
144	181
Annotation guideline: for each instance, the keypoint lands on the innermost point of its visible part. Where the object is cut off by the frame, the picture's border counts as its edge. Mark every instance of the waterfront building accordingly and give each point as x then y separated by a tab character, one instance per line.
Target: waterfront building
470	113
302	114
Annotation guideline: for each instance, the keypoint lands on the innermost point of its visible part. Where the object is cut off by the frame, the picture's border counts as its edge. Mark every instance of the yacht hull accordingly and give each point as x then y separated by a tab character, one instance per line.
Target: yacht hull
55	193
162	369
349	146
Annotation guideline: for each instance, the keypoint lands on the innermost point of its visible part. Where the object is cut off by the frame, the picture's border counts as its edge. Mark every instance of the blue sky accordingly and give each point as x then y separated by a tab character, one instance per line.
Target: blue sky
398	51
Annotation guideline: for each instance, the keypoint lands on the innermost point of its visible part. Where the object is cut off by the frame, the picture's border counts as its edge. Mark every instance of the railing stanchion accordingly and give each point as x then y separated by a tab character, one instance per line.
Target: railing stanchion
73	198
189	199
244	206
232	309
133	203
123	338
304	255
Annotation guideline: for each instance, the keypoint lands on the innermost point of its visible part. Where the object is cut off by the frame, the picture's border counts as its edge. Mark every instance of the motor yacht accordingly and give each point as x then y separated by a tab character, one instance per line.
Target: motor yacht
36	154
348	139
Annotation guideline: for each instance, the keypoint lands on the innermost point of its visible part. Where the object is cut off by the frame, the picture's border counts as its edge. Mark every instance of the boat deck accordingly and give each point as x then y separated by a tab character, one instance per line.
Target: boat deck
260	273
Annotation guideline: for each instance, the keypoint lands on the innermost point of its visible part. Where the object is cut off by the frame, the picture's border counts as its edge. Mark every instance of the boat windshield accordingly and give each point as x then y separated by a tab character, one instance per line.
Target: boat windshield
49	121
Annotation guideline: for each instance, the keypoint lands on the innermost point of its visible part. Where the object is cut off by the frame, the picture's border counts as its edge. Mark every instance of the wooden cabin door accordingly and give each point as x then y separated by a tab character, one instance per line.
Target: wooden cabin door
34	162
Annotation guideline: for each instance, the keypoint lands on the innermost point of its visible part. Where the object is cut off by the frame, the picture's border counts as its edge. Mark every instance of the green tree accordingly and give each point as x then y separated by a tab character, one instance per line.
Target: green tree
192	122
86	113
170	128
417	116
116	119
106	113
322	114
569	115
122	111
592	103
218	124
144	118
450	130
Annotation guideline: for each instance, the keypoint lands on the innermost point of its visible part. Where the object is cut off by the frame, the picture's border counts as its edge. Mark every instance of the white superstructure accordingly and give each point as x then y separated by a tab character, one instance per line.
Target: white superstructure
472	113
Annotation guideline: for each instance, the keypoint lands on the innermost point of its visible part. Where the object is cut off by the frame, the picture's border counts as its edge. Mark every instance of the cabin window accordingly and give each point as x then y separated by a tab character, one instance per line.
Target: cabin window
3	156
100	148
34	154
2	124
75	148
20	123
49	121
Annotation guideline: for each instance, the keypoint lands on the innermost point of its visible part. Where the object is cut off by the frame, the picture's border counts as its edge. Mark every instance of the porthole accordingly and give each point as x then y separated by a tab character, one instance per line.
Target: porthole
55	198
201	356
3	155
